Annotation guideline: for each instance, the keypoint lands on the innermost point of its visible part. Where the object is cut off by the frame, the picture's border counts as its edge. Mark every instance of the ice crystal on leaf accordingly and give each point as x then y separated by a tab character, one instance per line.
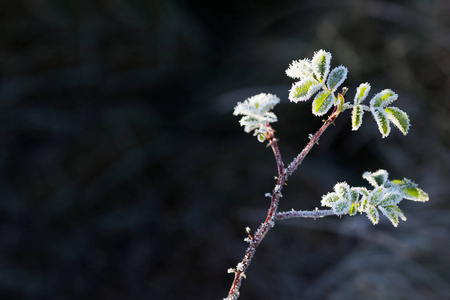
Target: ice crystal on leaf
321	65
336	78
383	114
377	178
358	110
304	89
256	113
313	75
385	197
300	69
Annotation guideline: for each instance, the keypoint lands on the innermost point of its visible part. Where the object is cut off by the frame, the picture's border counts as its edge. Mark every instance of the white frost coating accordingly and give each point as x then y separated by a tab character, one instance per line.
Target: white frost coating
277	188
304	89
268	195
300	69
361	93
321	64
383	98
240	267
256	112
336	78
382	120
376	178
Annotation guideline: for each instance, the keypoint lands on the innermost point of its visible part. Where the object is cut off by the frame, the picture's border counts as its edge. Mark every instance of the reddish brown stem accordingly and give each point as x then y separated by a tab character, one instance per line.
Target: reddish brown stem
283	175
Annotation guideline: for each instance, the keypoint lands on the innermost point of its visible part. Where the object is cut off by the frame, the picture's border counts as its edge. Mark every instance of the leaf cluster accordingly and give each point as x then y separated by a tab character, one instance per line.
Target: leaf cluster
385	197
380	109
314	75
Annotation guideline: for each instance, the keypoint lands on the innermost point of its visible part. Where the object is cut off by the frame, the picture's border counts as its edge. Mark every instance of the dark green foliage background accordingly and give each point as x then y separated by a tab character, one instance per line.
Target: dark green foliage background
124	174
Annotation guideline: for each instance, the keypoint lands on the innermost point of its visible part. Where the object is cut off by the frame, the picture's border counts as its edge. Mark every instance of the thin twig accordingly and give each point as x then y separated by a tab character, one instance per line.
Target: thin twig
314	214
283	175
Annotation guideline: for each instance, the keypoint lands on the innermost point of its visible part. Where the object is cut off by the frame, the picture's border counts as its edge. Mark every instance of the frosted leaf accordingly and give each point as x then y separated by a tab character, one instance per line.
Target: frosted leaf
329	199
341	207
256	105
410	190
250	123
342	189
361	93
269	117
375	196
363	205
390	199
260	133
362	191
399	118
354	195
300	69
353	209
357	117
304	89
377	178
373	215
322	103
383	98
399	213
382	120
390	213
256	111
261	138
336	78
321	64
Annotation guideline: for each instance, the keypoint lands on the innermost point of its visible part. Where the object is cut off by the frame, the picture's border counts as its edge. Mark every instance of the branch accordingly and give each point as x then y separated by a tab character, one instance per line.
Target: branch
283	174
314	214
314	140
273	143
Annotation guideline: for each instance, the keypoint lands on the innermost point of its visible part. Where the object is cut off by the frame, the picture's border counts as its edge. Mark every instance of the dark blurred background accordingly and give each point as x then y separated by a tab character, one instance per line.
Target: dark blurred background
124	174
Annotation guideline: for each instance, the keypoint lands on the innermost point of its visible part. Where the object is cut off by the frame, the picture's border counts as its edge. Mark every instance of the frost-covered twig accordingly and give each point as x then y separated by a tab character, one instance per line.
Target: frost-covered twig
317	78
272	216
313	214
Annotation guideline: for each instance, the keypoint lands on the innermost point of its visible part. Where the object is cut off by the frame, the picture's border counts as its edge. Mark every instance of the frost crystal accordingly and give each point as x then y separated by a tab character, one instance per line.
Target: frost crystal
240	267
385	197
300	69
256	113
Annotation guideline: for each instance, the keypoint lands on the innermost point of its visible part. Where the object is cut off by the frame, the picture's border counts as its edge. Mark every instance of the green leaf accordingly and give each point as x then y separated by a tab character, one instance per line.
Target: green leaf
354	195
336	78
363	205
375	196
399	212
383	98
377	178
382	120
361	93
341	207
353	209
342	189
373	215
329	199
261	138
391	213
399	118
322	103
410	190
321	64
362	191
357	117
304	89
390	199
